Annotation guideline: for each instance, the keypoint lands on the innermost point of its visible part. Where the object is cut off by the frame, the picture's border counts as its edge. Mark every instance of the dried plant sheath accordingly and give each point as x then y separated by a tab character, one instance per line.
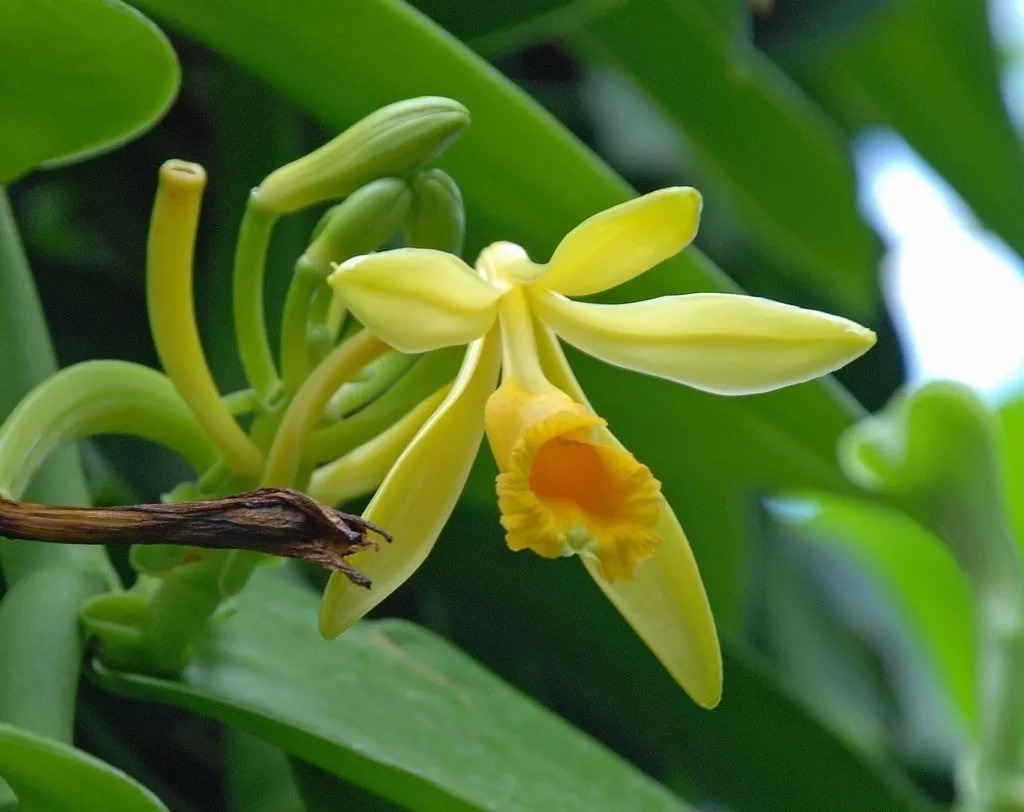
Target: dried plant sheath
268	520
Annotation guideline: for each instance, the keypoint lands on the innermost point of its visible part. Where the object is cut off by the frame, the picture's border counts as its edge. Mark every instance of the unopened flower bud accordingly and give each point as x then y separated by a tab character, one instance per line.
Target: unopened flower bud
934	452
366	219
392	141
437	218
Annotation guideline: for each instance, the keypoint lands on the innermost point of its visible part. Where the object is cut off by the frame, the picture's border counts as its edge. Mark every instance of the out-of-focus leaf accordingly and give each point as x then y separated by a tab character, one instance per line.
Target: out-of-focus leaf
77	77
524	178
537	620
754	131
929	71
52	777
394	709
916	571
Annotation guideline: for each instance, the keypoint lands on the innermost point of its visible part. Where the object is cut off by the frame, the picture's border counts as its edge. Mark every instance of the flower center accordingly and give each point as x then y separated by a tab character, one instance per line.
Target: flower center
506	264
568	470
565	488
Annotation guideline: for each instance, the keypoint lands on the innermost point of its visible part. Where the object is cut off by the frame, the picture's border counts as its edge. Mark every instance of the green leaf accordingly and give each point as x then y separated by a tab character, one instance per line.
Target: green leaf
52	777
79	77
929	71
545	624
524	178
394	709
917	573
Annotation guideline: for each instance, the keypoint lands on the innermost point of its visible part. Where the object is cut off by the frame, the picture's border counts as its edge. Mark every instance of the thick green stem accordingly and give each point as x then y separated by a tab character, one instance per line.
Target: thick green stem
179	612
990	557
1000	773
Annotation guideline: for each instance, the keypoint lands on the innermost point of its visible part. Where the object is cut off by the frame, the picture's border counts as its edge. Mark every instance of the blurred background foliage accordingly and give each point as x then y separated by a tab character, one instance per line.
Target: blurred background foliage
848	644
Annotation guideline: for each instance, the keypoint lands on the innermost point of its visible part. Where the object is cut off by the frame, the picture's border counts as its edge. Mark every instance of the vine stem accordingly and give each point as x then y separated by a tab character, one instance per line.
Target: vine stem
47	584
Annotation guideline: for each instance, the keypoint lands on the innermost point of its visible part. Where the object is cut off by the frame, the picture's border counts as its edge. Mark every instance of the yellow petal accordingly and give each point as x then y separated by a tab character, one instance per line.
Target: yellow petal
666	605
420	491
417	299
718	342
622	242
665	601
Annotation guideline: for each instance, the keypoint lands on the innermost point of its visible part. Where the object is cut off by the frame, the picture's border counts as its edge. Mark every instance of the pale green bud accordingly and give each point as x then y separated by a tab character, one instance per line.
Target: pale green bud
365	220
392	141
934	452
437	218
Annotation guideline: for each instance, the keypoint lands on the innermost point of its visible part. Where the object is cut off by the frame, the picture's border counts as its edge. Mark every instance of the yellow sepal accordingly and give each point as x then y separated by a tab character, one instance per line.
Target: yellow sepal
420	491
622	242
417	299
717	342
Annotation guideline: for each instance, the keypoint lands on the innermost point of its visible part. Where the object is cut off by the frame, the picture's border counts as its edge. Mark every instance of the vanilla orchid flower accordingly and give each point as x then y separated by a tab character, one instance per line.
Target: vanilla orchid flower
566	486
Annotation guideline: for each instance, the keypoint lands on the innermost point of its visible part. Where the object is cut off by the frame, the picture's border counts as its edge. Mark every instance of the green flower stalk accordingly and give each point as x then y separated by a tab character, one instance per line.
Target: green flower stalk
933	452
172	317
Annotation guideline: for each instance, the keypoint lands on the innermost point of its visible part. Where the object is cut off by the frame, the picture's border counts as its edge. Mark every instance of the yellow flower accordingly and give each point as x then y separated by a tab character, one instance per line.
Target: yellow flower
566	485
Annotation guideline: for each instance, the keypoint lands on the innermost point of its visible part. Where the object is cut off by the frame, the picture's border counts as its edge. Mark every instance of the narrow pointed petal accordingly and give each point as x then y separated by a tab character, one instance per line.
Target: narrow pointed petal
416	299
620	243
667	607
420	492
717	342
665	601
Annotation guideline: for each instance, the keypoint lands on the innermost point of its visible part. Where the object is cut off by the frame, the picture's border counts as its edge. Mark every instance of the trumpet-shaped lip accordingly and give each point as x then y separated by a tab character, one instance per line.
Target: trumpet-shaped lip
563	491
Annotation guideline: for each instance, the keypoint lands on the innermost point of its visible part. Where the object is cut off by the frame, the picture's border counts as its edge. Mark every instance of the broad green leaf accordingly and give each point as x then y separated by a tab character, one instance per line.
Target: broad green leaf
545	625
77	77
524	178
929	71
916	571
49	776
394	709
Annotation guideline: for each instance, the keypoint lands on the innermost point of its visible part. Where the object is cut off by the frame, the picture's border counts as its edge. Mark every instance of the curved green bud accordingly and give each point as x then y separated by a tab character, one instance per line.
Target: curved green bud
392	141
362	223
97	397
921	441
934	452
365	220
431	371
171	306
437	218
